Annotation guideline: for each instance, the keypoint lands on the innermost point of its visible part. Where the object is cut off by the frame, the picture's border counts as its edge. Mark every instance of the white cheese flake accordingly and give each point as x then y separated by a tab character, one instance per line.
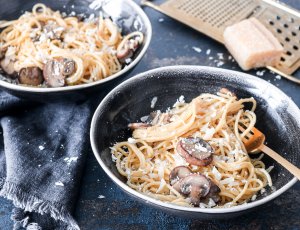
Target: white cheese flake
216	173
220	63
69	160
179	102
161	186
262	191
230	181
97	4
253	198
59	183
228	205
209	132
113	158
131	140
153	102
179	161
260	73
144	118
270	169
220	56
197	49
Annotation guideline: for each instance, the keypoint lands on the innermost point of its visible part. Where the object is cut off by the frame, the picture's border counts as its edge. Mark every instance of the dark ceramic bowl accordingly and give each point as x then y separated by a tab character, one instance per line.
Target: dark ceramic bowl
277	116
125	13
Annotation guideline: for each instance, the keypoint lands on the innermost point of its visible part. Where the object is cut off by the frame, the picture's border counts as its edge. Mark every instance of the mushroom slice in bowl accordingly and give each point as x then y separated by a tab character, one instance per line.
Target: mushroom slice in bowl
196	151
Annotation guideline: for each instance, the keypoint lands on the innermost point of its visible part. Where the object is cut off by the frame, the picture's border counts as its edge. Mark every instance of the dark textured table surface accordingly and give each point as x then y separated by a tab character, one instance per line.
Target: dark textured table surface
102	205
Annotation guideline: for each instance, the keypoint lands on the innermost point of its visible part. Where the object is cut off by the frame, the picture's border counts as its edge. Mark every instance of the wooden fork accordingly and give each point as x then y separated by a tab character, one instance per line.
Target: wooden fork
254	142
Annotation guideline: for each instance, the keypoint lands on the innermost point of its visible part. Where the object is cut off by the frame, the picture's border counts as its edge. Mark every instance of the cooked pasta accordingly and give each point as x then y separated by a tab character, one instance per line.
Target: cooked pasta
148	158
95	48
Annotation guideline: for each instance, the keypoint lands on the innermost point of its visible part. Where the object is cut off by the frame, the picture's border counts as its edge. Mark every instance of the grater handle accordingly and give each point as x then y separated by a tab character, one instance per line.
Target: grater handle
150	4
289	77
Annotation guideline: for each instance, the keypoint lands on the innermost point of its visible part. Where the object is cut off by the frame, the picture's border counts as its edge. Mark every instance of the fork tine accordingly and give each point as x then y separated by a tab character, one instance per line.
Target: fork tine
255	143
253	140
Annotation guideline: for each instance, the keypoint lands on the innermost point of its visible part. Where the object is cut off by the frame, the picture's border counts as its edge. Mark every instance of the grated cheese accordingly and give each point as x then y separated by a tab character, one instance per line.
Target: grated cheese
144	118
230	181
197	49
216	173
180	101
153	102
253	198
113	158
209	133
59	183
269	169
179	160
162	185
131	140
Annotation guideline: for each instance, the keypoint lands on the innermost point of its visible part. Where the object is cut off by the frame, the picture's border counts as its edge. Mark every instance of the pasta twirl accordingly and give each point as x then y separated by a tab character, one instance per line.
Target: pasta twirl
96	47
148	158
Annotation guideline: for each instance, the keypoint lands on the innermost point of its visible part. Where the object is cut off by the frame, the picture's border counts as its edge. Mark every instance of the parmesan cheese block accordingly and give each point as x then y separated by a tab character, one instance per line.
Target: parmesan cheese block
252	44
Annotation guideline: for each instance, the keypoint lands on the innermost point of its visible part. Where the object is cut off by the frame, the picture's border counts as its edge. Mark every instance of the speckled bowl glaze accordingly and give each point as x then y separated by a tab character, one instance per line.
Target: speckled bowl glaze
125	13
277	117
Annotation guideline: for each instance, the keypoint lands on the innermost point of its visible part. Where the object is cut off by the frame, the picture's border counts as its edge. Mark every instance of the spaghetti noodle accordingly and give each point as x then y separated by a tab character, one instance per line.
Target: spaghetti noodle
148	159
95	47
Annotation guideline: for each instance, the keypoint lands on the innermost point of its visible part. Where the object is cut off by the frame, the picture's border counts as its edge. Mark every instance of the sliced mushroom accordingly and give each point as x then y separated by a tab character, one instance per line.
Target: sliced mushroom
128	50
2	52
124	54
139	125
158	118
194	186
198	188
213	193
56	70
69	67
53	31
155	118
31	76
178	173
8	66
195	151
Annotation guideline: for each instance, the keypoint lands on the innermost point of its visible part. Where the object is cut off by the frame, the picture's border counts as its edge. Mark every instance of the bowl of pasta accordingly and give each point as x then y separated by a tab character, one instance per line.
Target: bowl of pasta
57	48
170	138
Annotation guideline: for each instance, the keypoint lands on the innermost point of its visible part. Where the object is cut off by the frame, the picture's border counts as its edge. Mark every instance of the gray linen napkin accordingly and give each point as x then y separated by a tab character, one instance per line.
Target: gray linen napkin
42	155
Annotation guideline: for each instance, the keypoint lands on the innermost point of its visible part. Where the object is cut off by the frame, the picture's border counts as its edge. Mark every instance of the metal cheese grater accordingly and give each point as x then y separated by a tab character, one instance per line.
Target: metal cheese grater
211	17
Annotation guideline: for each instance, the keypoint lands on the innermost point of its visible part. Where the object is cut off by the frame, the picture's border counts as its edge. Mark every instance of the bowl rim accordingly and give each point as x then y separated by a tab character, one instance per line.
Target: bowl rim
166	205
40	90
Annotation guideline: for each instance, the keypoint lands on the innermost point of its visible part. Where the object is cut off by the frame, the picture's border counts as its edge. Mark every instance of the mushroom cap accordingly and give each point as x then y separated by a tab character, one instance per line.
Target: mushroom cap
7	66
53	73
68	67
123	54
128	49
56	70
198	188
195	186
31	76
213	194
196	151
178	173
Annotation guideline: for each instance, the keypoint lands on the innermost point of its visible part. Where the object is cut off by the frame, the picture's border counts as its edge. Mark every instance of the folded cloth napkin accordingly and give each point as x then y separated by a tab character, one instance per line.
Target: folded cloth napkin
42	154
